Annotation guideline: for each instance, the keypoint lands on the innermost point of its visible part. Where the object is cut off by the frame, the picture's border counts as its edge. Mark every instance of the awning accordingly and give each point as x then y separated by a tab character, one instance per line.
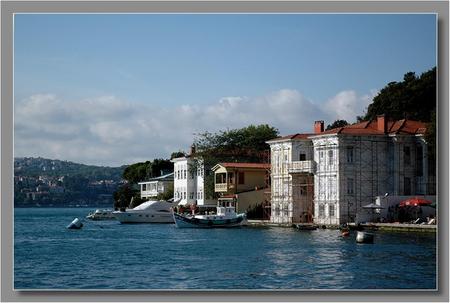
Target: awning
415	202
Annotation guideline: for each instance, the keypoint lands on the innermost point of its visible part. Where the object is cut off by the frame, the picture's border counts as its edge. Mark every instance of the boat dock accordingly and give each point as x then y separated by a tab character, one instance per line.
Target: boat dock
400	227
375	226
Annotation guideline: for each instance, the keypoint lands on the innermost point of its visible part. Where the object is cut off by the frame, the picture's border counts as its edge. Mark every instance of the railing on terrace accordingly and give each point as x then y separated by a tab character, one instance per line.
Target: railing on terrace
308	166
223	187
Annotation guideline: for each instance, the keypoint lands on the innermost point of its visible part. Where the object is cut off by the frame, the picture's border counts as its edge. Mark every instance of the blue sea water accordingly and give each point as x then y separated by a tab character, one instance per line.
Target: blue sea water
109	255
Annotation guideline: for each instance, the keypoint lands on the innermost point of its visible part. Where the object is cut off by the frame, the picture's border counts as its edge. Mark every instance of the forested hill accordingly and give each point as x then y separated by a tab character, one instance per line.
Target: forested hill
33	167
56	183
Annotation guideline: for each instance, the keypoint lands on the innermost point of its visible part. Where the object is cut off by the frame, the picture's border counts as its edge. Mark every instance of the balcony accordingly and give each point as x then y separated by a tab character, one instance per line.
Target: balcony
223	187
299	167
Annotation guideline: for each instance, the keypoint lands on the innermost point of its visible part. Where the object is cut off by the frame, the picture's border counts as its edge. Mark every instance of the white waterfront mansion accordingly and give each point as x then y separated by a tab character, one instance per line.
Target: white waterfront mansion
292	182
346	168
189	180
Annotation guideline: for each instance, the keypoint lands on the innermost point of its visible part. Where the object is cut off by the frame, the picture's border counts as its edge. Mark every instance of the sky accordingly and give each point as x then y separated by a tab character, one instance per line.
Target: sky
115	89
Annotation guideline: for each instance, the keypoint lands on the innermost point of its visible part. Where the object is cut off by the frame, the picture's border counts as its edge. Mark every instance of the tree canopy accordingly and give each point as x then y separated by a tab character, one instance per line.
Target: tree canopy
337	123
247	144
135	173
145	170
413	98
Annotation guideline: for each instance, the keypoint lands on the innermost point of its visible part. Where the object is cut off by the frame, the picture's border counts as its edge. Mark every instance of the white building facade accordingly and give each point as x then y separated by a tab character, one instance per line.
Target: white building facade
292	184
359	162
159	185
327	177
189	181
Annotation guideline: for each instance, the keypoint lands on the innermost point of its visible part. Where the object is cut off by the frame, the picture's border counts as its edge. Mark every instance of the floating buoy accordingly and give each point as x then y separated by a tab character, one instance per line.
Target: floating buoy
76	224
364	237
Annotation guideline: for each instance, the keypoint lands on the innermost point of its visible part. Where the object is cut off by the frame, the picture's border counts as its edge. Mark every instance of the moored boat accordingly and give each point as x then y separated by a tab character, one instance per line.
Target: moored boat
225	216
101	214
147	212
305	226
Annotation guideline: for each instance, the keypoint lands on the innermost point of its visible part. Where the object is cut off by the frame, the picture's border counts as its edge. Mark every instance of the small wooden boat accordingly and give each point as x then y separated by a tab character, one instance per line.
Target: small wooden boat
305	226
345	232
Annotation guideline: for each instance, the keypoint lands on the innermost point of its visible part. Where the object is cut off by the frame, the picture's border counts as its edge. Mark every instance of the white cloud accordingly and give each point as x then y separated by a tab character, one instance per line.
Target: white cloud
346	105
111	131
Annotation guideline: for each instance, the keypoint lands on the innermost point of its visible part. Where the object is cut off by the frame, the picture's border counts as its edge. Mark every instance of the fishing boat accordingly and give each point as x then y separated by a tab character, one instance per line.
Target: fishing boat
225	216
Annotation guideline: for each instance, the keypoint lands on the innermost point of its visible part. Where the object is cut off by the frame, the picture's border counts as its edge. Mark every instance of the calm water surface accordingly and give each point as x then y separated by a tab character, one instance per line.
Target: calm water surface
110	255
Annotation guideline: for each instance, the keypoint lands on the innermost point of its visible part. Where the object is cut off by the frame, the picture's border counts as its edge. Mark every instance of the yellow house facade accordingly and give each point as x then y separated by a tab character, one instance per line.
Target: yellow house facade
241	183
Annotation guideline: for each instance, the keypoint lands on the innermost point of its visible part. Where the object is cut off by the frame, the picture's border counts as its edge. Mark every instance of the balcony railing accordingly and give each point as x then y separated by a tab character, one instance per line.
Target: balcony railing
223	187
297	167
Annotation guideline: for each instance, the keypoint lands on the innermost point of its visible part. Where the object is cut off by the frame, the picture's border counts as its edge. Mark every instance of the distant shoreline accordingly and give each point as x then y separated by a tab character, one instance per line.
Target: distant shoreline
66	206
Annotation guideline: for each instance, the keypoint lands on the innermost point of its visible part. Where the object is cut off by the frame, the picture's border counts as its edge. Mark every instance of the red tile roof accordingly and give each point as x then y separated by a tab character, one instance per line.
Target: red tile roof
245	165
407	127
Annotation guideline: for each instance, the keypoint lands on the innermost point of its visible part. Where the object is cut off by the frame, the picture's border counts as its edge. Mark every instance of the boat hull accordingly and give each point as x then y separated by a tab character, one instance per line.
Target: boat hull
191	222
129	217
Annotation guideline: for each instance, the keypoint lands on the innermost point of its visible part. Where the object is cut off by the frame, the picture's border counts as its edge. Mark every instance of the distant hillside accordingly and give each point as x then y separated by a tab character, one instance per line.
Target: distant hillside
40	166
56	183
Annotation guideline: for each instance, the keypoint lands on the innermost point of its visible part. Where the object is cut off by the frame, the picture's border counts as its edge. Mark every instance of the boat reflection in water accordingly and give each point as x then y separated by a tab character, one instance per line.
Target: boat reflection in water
224	216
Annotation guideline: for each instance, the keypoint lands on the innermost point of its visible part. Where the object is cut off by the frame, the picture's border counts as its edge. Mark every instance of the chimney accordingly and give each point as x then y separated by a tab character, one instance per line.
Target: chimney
381	123
192	149
318	127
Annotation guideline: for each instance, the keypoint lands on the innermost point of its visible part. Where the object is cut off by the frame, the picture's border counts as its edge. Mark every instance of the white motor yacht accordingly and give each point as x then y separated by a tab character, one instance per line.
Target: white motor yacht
101	214
147	212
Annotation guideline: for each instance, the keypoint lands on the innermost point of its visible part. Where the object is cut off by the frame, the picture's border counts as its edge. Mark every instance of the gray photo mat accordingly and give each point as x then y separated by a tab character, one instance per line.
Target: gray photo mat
9	8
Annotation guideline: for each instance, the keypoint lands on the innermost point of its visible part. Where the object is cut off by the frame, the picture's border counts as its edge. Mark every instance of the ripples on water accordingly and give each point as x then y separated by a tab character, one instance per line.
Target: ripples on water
110	255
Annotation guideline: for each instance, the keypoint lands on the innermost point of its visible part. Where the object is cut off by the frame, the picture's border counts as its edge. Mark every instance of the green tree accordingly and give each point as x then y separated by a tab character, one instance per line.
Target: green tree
337	123
167	195
122	197
177	154
413	98
246	144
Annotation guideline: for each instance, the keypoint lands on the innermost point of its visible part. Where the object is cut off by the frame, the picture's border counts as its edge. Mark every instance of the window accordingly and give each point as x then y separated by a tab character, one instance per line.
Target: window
184	174
419	161
350	154
241	178
407	155
144	187
191	195
302	157
303	190
350	186
321	155
407	186
321	210
331	210
330	157
231	178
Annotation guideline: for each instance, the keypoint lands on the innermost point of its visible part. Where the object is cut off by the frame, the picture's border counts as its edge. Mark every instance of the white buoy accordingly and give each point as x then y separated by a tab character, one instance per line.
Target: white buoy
76	224
363	237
